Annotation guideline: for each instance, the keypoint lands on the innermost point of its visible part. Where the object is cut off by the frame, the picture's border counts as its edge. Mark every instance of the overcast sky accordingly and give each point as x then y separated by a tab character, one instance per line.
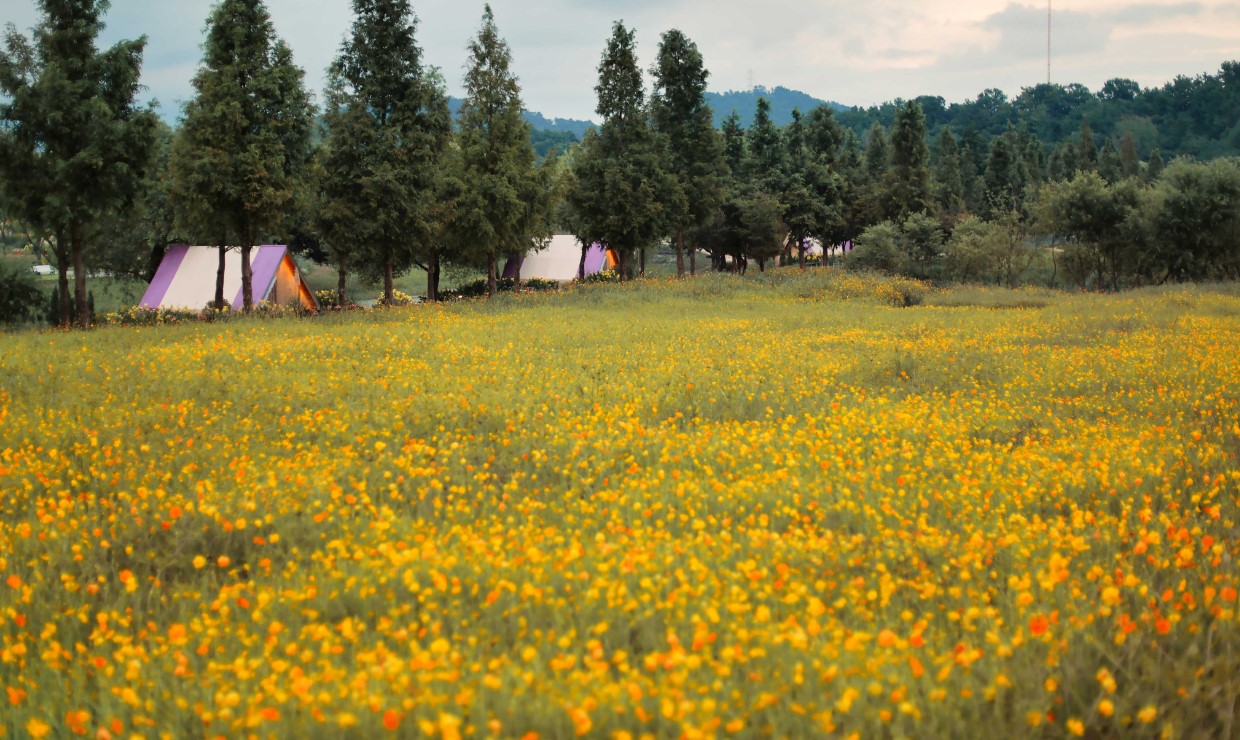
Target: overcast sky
855	53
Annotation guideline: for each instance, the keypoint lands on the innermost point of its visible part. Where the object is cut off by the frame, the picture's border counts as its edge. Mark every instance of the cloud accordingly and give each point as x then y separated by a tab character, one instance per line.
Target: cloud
855	53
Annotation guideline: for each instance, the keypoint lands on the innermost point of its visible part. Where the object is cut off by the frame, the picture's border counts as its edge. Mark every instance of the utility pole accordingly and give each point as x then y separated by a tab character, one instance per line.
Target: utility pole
1048	42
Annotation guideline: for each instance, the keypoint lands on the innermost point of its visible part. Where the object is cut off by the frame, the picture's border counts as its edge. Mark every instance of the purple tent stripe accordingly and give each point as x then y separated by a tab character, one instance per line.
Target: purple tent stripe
262	271
512	267
595	258
158	288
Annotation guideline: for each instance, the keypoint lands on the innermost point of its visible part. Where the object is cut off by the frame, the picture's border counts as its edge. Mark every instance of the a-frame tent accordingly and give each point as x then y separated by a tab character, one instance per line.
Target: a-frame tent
186	278
560	260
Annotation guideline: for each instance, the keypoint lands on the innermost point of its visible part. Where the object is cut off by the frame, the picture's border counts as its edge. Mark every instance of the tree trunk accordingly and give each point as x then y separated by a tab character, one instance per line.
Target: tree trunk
801	247
219	279
79	285
641	267
342	278
387	282
680	252
432	276
247	279
64	313
761	264
692	261
581	265
621	267
491	275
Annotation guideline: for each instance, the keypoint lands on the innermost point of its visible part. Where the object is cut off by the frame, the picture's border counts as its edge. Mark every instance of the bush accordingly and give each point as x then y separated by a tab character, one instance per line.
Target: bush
329	300
399	298
877	248
20	298
604	276
478	288
142	316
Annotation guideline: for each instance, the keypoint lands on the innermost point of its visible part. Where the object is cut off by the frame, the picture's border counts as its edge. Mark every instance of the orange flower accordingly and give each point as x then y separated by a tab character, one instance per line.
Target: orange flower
391	720
14	582
1038	625
1162	625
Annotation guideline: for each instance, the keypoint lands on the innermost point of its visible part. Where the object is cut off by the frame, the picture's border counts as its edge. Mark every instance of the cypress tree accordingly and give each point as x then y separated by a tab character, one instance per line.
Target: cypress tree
505	199
1109	165
733	143
1086	149
908	188
877	159
75	147
620	185
1006	176
765	150
388	124
1129	160
949	189
695	153
1155	166
245	139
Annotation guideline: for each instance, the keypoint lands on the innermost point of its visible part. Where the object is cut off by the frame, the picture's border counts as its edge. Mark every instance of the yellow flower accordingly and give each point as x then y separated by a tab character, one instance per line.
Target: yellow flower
37	728
1147	714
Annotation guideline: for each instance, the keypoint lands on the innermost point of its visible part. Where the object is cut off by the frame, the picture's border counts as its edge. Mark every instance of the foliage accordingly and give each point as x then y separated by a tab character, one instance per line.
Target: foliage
396	299
1186	116
20	298
244	142
620	187
74	146
387	125
506	203
908	187
478	288
695	156
877	248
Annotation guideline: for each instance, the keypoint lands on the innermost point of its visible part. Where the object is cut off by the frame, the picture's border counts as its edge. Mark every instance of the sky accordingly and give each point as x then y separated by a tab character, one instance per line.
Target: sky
855	53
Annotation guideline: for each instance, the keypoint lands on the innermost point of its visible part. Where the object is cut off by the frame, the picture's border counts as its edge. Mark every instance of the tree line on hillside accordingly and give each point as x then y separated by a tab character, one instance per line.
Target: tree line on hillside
1194	116
384	181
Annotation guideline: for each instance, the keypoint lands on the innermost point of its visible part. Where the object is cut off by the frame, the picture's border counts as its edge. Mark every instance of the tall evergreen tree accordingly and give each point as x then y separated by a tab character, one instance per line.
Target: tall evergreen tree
245	140
505	198
877	157
949	185
1006	176
75	146
733	143
1129	160
1109	165
1086	149
695	153
388	124
765	150
1155	166
620	185
908	188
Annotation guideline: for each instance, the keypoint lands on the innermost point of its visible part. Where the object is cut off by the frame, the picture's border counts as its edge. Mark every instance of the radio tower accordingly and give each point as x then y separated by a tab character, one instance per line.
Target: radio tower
1048	42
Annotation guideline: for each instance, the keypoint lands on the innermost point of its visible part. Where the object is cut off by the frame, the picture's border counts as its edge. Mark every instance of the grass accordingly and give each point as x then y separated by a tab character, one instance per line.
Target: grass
772	505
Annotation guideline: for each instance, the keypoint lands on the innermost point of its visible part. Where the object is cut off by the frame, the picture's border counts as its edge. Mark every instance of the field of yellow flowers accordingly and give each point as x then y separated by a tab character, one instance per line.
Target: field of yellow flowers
766	506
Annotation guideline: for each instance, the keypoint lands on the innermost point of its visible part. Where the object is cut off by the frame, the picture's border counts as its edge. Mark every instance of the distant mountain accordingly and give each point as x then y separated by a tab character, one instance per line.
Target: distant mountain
540	122
782	101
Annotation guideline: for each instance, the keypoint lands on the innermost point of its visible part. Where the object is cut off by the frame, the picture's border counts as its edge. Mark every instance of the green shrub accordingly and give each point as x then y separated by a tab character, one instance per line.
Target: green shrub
399	298
877	248
20	298
604	276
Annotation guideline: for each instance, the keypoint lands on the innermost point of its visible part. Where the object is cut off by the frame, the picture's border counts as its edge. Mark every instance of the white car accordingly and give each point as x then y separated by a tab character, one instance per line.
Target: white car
43	269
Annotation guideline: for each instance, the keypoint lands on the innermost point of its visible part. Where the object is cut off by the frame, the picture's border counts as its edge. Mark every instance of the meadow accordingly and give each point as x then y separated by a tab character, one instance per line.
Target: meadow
779	505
